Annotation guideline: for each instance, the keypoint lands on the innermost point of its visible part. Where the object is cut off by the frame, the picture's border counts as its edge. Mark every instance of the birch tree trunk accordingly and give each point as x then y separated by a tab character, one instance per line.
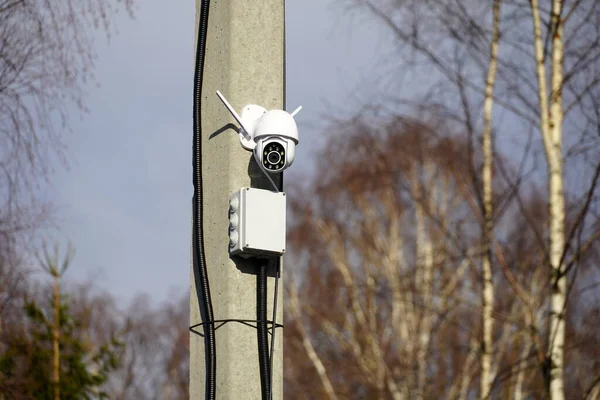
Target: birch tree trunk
424	275
487	288
521	366
309	348
558	294
551	119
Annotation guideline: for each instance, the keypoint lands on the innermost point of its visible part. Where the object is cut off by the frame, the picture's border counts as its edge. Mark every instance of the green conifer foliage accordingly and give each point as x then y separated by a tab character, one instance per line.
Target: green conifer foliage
26	362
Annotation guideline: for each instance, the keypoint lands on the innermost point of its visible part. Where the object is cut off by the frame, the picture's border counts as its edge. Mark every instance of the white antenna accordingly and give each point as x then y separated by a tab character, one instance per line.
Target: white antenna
296	111
245	130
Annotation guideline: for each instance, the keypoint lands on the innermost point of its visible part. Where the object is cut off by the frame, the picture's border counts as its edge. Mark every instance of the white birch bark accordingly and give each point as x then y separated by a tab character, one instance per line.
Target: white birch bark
551	119
487	289
594	393
309	348
558	294
466	377
424	275
368	354
522	365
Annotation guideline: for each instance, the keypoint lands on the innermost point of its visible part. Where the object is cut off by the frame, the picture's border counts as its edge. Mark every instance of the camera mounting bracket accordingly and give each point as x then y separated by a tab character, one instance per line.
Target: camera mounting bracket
250	114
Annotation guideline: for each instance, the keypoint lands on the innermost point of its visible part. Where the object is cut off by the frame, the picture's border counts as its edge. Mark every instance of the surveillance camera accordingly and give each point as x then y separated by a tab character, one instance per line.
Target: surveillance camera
271	135
276	136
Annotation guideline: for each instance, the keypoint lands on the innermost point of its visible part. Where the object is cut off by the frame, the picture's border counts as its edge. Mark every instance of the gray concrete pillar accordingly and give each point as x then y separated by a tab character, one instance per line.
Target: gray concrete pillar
245	61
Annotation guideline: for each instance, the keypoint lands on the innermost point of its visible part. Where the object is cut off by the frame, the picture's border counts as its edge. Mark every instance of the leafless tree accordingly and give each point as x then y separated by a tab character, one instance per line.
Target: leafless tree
386	245
46	61
547	81
379	236
156	355
487	287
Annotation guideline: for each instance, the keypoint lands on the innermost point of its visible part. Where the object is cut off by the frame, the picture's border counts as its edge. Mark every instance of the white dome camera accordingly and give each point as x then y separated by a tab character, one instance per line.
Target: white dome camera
271	135
276	137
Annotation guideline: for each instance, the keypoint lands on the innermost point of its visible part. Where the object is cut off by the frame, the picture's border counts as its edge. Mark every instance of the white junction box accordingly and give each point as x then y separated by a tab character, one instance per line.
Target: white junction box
256	223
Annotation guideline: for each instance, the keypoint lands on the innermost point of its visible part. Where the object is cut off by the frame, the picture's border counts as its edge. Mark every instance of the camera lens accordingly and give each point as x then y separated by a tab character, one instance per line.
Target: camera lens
274	156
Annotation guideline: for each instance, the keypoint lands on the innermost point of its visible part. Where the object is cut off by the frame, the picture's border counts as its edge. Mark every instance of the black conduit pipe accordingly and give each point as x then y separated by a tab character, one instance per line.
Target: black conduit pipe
202	283
264	363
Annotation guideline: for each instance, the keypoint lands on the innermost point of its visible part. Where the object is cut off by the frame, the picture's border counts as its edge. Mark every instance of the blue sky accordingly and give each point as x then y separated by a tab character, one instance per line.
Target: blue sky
124	202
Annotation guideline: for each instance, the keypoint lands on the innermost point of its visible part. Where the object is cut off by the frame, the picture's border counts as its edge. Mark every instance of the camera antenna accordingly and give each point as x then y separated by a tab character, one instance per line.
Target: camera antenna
296	111
245	131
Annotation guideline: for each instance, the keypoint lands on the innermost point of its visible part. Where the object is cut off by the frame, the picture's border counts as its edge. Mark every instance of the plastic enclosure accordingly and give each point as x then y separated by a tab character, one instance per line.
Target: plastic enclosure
256	223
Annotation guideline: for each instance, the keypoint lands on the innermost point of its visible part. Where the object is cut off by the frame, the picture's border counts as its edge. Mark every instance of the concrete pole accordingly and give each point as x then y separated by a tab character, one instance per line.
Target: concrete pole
245	61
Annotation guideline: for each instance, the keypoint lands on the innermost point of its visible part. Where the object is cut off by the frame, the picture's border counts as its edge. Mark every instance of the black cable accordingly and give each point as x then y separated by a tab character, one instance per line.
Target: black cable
262	330
275	296
201	273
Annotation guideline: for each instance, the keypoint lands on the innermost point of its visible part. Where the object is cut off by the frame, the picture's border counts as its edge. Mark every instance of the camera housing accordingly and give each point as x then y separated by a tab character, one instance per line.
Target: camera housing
275	137
271	135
